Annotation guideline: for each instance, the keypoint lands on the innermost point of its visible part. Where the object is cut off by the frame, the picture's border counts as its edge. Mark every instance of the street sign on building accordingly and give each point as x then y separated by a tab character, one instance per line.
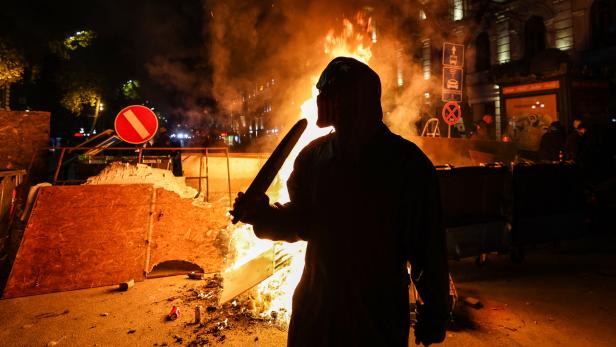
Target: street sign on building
136	124
453	72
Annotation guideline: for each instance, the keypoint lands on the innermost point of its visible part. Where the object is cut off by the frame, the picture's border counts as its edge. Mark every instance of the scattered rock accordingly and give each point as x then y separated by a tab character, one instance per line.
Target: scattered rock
473	302
104	314
131	331
124	286
196	275
55	343
256	338
26	326
179	339
199	342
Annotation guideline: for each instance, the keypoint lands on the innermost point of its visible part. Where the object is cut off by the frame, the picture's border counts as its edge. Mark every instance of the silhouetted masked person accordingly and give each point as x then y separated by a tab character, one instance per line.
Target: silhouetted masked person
367	202
164	140
574	142
552	142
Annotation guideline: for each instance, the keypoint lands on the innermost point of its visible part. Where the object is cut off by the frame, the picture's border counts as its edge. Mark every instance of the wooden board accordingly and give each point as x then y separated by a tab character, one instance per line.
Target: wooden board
241	279
82	237
183	231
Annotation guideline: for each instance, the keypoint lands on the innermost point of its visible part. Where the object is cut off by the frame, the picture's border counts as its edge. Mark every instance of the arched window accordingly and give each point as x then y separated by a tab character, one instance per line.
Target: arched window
603	23
534	36
482	55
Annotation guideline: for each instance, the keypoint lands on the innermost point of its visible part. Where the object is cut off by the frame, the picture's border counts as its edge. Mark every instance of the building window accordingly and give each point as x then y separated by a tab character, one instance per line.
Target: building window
534	36
503	43
400	68
603	23
482	55
563	26
457	9
426	59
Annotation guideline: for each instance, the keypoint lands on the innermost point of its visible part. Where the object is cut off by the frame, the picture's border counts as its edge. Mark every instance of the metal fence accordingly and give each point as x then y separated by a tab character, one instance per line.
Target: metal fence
138	155
9	180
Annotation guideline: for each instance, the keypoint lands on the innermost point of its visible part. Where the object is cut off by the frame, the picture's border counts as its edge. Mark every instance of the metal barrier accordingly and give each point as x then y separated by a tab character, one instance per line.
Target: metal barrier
9	180
206	151
488	209
548	203
474	201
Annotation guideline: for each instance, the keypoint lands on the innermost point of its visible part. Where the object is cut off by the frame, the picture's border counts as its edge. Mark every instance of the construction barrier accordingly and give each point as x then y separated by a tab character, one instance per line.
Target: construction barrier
488	209
474	202
97	235
548	203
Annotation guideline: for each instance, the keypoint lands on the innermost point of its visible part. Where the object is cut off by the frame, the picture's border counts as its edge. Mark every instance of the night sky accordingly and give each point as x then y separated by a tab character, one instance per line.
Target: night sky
154	42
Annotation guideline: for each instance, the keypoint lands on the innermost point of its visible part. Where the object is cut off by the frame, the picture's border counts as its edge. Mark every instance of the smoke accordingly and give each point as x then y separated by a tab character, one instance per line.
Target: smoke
255	44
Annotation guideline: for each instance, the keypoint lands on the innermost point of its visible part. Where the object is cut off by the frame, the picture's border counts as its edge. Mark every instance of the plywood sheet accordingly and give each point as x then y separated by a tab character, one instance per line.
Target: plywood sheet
185	231
82	237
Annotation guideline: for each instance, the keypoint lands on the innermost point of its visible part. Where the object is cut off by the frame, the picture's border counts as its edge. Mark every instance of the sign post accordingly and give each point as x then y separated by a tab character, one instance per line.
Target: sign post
136	124
453	71
451	114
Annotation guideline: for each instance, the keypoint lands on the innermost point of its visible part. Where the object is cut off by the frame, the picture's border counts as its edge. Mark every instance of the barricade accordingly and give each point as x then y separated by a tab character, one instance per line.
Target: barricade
474	201
548	203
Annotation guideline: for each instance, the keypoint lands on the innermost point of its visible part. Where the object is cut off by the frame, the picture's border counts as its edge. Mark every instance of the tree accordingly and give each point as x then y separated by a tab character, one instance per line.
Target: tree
11	71
79	96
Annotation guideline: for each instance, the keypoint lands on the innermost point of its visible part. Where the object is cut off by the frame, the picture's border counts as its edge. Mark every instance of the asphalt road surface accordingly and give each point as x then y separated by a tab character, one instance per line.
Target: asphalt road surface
562	295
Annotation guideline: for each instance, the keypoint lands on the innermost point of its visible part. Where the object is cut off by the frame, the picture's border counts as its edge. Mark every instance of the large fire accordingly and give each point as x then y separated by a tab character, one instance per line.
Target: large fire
275	293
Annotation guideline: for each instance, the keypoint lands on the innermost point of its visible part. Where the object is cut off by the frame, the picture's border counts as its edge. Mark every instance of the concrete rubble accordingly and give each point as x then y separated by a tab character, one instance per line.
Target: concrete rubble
124	173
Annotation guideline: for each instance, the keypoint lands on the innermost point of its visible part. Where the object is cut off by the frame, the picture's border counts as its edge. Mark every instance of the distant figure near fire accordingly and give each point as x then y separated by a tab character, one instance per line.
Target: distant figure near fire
367	202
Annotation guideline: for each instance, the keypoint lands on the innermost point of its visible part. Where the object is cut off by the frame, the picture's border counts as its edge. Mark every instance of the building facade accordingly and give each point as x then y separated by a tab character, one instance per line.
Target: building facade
531	61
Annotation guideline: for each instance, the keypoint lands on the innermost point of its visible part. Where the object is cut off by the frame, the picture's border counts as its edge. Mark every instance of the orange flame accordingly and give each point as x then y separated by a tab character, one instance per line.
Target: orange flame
275	294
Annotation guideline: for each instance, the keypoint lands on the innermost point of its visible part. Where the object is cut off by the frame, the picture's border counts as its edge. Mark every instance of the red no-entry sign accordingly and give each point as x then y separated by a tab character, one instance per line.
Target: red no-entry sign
136	124
451	113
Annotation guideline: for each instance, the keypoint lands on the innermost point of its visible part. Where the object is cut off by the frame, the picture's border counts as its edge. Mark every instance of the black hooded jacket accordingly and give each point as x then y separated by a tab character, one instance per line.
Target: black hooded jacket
363	221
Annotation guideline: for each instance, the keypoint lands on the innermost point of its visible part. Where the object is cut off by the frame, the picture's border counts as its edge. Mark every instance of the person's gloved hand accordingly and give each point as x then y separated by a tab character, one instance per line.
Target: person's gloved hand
428	331
249	209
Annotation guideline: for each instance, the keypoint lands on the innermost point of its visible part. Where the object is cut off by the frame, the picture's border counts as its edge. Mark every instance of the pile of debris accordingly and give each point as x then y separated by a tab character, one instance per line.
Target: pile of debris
125	173
213	320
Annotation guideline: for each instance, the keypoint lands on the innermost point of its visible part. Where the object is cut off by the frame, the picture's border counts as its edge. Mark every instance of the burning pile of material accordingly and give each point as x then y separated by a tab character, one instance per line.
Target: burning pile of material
274	294
124	173
213	320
